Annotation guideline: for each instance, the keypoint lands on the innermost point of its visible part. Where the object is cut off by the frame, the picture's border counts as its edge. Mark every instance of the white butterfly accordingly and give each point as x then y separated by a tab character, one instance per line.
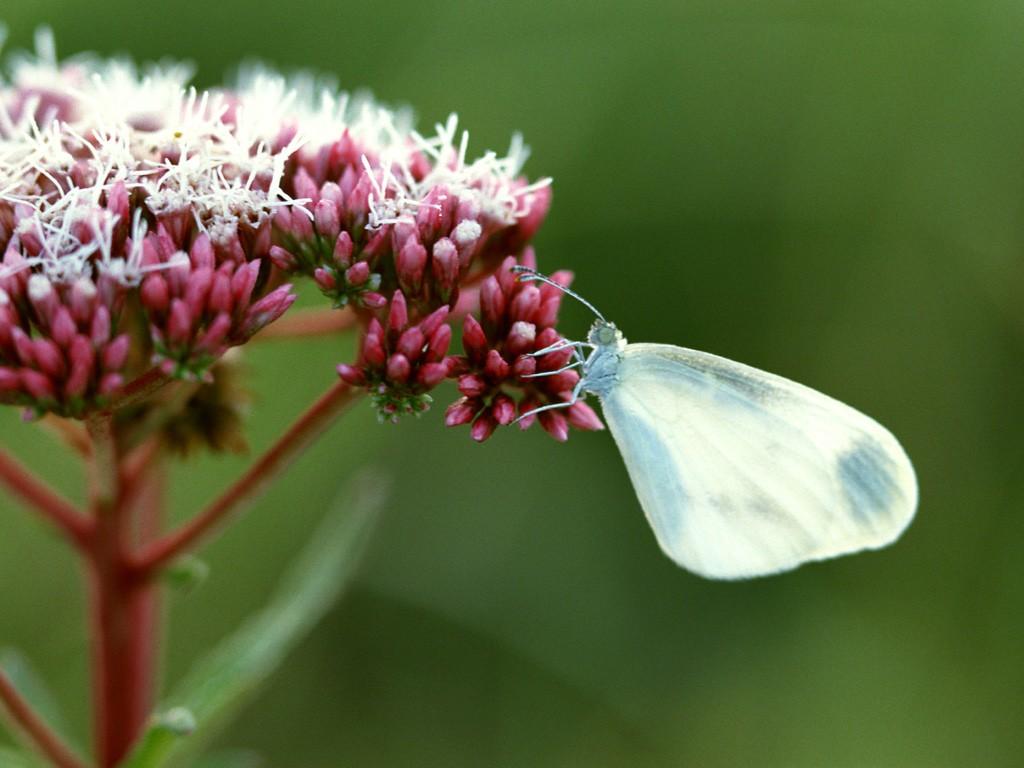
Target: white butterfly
741	472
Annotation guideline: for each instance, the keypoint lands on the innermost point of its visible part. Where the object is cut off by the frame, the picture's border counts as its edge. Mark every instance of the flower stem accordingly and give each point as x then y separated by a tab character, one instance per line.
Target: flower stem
121	685
137	389
44	500
145	607
45	739
278	457
308	322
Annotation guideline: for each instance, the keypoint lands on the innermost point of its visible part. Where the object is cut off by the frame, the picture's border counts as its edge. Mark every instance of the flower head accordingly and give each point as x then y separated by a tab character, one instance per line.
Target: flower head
501	377
144	222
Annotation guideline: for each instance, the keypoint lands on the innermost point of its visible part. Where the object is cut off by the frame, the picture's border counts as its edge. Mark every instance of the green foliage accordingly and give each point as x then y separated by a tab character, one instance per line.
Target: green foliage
30	685
161	735
228	678
10	758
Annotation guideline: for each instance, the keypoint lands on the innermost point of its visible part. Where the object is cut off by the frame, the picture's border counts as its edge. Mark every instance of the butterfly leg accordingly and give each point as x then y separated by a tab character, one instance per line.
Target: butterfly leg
564	368
573	399
561	344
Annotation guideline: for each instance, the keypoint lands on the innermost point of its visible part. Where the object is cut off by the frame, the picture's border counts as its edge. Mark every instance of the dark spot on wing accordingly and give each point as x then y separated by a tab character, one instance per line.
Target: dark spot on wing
866	472
664	477
756	390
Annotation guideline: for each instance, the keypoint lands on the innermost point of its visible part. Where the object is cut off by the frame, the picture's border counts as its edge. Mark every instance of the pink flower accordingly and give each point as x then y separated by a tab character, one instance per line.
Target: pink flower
401	362
497	374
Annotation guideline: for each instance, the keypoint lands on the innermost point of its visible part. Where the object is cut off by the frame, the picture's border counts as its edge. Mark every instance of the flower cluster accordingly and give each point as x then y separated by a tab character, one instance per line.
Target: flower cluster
145	223
501	362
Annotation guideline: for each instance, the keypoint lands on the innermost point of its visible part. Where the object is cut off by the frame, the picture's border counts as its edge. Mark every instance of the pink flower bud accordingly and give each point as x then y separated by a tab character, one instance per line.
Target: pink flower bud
23	346
492	302
373	300
432	374
117	202
373	344
221	299
430	218
398	368
582	416
445	267
328	224
410	264
213	339
282	259
82	300
439	343
243	282
179	323
82	356
525	303
305	187
352	375
474	341
49	358
357	202
461	412
483	427
358	273
524	366
378	244
201	253
506	277
562	382
465	236
503	409
197	291
9	380
325	279
398	315
411	343
267	310
155	294
472	385
495	367
433	321
63	329
44	299
343	250
332	192
547	314
115	354
555	424
37	385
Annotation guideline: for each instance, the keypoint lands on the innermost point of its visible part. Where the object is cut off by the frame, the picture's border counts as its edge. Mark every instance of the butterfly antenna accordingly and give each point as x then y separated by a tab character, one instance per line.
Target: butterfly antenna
528	273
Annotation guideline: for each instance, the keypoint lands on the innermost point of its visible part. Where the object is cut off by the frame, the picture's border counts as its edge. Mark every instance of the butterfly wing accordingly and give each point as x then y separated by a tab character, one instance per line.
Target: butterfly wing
743	473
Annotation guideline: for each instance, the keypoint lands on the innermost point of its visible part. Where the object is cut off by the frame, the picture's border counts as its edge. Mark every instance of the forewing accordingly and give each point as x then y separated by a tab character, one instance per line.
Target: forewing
743	473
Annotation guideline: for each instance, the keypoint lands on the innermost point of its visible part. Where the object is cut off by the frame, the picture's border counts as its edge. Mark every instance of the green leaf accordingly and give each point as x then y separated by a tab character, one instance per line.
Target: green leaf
163	731
223	682
10	758
32	688
186	574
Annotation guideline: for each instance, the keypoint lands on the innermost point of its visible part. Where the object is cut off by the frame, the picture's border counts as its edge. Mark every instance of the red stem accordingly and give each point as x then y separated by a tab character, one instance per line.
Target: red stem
135	390
121	645
299	435
309	322
44	500
145	608
35	728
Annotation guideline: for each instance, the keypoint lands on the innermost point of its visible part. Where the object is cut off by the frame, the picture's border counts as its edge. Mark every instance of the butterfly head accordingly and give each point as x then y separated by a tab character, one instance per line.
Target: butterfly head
604	335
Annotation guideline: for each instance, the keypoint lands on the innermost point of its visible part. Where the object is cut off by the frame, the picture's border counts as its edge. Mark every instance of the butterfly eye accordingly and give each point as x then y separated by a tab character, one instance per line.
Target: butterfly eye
606	334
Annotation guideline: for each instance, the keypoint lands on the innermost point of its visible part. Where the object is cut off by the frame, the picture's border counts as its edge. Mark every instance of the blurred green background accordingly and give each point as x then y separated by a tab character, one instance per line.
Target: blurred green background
831	190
